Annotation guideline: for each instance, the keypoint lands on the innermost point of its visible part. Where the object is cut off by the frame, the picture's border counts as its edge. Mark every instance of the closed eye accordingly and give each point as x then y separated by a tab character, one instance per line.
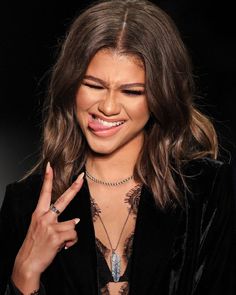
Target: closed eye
133	92
127	92
93	86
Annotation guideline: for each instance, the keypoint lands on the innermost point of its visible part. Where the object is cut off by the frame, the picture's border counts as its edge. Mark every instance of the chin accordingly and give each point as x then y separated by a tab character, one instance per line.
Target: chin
111	146
103	149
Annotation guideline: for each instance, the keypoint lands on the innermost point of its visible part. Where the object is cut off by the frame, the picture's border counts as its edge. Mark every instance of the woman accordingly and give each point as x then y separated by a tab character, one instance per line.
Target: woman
132	200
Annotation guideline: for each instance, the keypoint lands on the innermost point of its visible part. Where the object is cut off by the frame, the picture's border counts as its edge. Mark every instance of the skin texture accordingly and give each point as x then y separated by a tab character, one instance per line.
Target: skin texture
113	98
45	236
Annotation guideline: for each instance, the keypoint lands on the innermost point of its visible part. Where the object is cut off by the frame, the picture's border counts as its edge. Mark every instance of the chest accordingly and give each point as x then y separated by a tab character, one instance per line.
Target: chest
114	221
155	233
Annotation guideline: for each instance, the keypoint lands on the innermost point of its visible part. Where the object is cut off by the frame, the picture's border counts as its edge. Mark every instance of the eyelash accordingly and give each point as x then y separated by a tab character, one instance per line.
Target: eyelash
127	92
93	86
133	92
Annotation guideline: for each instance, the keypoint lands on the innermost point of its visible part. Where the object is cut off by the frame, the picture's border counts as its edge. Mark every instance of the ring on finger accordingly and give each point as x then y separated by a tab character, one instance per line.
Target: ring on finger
54	209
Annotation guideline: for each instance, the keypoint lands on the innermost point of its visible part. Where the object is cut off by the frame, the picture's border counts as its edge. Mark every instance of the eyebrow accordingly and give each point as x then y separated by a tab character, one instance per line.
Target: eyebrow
95	79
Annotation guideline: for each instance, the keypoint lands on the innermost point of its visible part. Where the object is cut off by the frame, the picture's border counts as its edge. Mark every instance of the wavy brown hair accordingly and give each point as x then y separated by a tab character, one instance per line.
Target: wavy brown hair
176	133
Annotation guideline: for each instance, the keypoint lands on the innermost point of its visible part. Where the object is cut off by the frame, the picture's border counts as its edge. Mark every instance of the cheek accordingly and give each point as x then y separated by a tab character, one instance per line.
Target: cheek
84	99
140	111
81	106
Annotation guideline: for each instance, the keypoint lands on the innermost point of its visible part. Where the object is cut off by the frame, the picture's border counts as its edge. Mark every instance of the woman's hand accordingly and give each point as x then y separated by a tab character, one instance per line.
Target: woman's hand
46	236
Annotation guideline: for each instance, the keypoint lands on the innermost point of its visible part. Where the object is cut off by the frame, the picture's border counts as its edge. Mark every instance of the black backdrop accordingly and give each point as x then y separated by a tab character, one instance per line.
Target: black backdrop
29	37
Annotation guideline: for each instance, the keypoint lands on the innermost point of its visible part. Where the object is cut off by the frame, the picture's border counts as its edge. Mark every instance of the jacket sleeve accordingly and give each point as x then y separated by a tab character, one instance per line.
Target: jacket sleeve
11	238
216	259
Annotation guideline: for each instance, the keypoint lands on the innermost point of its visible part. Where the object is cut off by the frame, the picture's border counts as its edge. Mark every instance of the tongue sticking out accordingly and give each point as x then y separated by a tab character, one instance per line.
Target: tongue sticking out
97	125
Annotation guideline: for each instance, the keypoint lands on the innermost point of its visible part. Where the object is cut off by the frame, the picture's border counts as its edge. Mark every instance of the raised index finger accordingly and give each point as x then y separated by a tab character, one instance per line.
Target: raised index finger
46	191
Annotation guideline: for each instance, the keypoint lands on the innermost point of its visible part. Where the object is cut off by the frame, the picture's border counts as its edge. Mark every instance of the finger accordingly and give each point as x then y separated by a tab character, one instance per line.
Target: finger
61	247
65	237
46	191
66	225
69	244
68	195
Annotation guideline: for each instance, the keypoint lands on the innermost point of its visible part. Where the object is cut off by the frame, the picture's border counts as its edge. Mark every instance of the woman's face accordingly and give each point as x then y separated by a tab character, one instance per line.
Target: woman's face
111	103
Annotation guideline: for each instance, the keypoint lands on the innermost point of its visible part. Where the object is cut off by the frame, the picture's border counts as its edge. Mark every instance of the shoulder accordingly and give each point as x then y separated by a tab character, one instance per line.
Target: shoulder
27	184
209	180
206	170
205	166
22	196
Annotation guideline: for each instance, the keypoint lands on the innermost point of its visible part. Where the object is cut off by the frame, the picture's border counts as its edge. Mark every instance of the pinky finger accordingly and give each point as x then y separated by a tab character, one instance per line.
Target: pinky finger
69	244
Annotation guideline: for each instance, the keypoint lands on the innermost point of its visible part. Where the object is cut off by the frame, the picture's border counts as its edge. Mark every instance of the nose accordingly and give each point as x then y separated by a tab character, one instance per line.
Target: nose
109	105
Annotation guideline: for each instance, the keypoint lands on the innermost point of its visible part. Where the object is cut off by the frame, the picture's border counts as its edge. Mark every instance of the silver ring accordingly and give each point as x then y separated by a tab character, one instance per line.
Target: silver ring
54	209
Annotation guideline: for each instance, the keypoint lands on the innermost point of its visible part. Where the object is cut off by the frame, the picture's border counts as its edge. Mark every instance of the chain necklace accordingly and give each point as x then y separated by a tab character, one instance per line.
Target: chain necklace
108	183
115	258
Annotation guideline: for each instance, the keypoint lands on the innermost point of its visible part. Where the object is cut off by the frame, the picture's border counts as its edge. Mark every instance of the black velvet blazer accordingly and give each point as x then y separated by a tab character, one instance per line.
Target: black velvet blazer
177	252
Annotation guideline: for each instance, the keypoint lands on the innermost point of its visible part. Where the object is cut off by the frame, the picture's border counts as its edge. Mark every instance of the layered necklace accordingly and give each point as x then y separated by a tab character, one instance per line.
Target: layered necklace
115	258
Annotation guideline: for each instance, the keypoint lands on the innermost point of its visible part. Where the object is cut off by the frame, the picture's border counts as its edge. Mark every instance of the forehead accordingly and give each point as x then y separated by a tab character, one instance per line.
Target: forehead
111	63
119	55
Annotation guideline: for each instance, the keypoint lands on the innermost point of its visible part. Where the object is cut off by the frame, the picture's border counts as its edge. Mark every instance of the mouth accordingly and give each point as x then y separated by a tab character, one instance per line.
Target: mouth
102	126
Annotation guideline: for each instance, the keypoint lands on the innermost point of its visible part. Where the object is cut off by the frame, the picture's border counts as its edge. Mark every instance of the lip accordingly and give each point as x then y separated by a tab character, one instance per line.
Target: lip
91	115
101	130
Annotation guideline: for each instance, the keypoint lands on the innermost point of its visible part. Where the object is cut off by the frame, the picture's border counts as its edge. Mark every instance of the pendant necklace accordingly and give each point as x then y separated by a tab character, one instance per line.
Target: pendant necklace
115	258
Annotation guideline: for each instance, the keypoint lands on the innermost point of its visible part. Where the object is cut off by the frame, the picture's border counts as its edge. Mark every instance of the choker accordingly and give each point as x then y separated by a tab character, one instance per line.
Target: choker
108	183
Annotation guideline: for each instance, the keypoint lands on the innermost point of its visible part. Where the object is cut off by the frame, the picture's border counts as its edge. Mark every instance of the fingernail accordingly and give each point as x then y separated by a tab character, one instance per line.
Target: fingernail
76	220
48	167
80	177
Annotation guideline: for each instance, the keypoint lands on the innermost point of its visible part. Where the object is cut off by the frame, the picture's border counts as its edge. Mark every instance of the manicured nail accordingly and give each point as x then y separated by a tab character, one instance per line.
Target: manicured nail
48	167
77	220
80	177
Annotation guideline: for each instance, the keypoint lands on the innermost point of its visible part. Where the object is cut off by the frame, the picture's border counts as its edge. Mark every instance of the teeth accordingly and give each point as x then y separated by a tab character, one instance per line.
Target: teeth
109	124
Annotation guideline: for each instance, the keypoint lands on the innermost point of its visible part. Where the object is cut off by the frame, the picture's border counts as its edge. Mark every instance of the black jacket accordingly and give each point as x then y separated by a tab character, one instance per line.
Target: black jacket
175	252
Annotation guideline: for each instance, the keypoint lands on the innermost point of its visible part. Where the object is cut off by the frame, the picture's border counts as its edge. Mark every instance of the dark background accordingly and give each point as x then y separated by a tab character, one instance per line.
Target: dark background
29	37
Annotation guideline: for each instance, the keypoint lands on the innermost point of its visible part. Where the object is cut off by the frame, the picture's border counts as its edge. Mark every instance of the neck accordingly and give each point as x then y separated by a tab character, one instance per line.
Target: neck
117	165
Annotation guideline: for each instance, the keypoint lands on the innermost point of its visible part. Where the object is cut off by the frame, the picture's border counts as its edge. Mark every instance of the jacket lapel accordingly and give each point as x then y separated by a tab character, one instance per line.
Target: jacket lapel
154	236
79	261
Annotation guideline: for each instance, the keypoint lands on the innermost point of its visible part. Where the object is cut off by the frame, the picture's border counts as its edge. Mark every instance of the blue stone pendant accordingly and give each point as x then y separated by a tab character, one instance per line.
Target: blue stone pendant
115	266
